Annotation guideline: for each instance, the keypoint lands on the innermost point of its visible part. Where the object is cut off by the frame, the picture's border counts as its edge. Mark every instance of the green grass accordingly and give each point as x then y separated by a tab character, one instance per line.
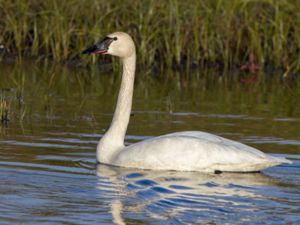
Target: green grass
168	33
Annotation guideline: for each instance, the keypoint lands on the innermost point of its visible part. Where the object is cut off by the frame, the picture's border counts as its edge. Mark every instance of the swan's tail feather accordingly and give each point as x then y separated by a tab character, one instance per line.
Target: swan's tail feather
279	160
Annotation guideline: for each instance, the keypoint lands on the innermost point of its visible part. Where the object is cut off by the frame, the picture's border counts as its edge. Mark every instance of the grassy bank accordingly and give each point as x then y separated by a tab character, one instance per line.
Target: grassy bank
167	33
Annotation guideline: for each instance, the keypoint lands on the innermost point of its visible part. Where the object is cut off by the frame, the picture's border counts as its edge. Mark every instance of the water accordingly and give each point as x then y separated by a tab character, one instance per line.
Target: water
48	173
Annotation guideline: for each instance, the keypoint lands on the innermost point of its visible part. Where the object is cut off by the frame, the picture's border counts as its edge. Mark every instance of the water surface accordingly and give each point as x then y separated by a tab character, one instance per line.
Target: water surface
48	173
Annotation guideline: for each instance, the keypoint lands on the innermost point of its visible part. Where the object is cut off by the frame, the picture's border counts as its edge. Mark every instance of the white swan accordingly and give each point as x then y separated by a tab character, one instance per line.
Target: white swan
183	151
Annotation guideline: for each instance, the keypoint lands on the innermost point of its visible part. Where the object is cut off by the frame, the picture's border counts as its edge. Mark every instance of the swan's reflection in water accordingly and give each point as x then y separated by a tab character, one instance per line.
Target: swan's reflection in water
116	212
184	197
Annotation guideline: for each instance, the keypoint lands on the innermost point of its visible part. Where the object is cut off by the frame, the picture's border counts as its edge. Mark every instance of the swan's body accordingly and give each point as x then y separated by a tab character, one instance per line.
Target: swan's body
184	151
194	151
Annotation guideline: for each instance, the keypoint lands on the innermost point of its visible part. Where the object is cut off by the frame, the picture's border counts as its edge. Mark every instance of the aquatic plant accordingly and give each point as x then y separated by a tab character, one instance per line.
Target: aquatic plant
169	33
4	110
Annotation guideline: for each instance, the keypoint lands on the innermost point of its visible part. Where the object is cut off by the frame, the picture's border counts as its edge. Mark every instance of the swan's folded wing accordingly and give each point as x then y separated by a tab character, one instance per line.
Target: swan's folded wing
189	152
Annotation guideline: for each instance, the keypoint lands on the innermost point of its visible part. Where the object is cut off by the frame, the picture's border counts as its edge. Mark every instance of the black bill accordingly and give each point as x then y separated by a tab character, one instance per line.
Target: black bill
101	47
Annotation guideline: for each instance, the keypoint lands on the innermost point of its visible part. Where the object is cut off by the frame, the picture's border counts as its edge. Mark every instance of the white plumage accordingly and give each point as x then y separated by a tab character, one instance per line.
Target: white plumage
194	151
183	151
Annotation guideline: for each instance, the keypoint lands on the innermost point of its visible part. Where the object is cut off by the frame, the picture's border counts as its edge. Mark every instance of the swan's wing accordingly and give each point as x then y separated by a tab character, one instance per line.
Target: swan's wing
194	151
227	142
216	139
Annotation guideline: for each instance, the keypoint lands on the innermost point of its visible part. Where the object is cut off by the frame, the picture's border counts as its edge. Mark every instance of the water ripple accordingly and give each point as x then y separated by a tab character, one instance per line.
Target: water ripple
55	179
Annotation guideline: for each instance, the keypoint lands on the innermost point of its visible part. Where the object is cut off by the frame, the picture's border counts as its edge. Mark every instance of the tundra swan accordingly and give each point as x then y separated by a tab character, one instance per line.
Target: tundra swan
182	151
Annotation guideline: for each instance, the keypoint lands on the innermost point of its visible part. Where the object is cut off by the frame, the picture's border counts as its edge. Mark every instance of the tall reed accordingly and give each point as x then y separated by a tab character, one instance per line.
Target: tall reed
167	33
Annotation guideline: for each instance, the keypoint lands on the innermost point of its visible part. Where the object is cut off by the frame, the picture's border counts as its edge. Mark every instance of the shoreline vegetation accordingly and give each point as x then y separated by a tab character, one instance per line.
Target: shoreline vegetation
238	34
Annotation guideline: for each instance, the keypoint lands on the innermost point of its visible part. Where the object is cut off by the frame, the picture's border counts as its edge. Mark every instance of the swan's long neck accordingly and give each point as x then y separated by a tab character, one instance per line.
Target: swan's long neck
120	121
113	140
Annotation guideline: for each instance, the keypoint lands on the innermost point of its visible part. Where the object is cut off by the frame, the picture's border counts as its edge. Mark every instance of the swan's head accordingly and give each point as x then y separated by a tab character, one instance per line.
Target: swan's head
118	44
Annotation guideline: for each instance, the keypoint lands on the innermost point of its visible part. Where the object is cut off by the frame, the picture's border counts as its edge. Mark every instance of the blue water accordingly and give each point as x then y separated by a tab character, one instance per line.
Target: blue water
61	184
48	172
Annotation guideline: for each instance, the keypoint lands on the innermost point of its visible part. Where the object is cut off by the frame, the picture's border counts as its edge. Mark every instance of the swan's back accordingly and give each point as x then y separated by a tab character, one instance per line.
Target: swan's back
194	151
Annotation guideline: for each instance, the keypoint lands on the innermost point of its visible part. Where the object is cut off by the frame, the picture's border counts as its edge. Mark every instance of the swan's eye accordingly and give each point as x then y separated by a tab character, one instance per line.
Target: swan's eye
115	38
